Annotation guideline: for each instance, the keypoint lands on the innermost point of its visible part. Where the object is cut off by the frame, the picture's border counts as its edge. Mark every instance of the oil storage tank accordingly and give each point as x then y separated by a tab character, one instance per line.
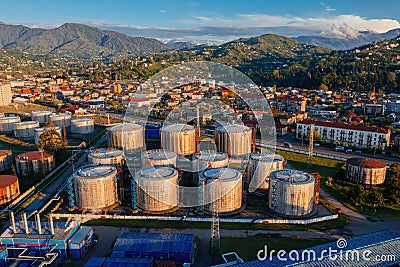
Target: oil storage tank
261	165
25	129
157	189
9	188
235	140
222	189
59	119
106	156
34	162
42	116
95	187
211	159
291	193
179	138
365	171
7	123
6	160
39	131
159	157
126	136
82	126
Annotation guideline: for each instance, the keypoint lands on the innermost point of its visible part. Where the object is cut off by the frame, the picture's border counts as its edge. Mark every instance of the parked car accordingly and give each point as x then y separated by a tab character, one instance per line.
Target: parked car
358	151
287	144
316	144
338	210
349	150
339	148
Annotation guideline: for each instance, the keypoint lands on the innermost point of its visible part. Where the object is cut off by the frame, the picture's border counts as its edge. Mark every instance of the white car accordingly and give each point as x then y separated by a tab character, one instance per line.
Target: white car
316	144
339	148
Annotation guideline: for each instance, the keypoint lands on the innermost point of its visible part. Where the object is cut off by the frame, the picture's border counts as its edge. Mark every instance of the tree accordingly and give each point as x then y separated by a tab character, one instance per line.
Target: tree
375	198
393	182
356	194
323	87
50	139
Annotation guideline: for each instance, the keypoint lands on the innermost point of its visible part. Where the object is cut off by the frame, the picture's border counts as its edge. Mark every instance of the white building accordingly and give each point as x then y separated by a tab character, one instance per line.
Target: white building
5	94
346	134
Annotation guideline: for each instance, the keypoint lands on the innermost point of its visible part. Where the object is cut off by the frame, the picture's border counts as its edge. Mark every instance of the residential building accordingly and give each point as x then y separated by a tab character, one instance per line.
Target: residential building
346	134
5	94
289	104
374	109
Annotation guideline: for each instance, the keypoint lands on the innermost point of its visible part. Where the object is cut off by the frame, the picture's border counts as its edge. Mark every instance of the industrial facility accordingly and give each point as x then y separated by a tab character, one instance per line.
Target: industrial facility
9	188
25	130
291	193
126	136
235	140
82	126
45	243
260	167
157	189
159	157
39	131
365	171
95	187
6	160
41	116
60	120
7	123
179	138
106	156
35	162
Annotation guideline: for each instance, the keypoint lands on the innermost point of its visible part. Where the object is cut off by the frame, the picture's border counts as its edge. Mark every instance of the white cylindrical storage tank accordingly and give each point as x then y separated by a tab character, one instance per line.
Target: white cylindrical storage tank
159	157
95	187
126	136
39	131
235	140
291	193
42	116
103	156
157	189
179	138
6	160
25	129
58	120
35	162
211	160
222	189
7	123
82	126
260	167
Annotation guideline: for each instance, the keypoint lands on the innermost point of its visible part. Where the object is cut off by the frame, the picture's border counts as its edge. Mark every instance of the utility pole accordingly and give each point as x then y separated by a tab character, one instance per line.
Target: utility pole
311	146
215	233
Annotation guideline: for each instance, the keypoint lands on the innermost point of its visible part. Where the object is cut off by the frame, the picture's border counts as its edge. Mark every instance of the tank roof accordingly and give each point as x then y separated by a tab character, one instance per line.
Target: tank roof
9	118
57	128
41	112
106	153
233	128
160	154
366	163
125	127
6	180
266	157
5	152
156	172
59	115
177	128
35	155
292	176
95	171
222	173
82	119
211	156
27	123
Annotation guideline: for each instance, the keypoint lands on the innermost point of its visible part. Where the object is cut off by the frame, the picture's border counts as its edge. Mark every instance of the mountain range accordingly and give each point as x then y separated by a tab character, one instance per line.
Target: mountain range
78	40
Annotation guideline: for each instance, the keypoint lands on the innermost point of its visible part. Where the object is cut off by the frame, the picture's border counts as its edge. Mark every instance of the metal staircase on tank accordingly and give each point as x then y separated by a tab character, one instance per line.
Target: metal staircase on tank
215	230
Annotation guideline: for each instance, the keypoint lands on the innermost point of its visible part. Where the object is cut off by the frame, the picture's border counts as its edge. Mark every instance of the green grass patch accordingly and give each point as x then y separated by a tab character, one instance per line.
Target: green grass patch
342	220
247	247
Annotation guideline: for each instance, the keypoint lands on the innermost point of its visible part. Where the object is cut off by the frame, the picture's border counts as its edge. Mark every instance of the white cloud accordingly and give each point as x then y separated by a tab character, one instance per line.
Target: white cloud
329	8
310	23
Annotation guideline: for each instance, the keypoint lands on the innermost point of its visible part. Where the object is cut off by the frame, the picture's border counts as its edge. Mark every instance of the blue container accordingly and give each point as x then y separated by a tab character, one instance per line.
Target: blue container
128	262
95	262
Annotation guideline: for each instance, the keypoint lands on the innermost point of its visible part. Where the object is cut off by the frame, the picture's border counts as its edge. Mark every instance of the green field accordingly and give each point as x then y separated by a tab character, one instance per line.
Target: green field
247	247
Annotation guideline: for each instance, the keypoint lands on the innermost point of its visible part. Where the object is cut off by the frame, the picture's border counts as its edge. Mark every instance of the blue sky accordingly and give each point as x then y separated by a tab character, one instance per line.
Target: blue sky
135	17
